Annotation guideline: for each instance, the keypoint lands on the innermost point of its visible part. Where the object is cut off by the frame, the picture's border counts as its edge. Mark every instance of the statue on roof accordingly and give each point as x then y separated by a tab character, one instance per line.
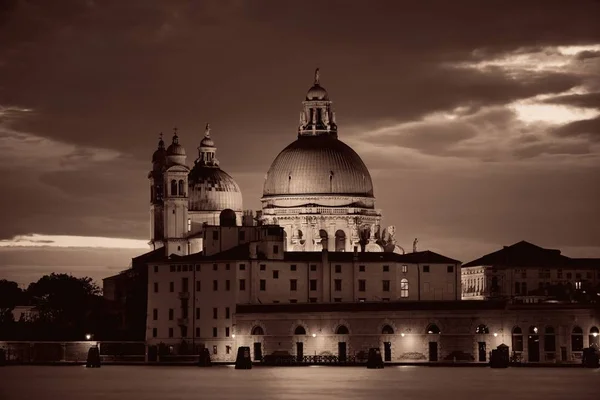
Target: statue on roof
207	130
415	245
317	76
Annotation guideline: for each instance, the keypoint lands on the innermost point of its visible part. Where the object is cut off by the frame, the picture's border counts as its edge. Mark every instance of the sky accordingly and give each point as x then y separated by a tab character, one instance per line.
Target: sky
479	121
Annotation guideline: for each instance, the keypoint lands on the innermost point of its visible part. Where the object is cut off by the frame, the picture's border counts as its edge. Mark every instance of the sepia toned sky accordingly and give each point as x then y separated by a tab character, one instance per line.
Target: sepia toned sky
479	121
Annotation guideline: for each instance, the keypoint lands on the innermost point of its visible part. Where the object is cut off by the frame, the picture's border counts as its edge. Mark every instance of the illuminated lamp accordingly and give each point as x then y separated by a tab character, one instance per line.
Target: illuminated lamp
314	335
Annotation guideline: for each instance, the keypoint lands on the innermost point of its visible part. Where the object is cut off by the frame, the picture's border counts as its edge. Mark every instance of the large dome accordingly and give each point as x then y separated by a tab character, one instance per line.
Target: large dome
212	189
320	165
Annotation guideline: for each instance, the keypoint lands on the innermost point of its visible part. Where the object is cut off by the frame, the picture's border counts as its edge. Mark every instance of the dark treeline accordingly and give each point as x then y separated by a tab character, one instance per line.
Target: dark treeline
66	308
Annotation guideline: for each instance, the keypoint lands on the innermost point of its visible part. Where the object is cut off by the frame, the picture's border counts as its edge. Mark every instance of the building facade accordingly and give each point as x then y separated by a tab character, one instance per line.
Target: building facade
527	272
412	332
193	298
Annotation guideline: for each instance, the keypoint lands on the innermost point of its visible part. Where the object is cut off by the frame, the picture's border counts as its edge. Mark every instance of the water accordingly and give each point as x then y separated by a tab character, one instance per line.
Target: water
301	383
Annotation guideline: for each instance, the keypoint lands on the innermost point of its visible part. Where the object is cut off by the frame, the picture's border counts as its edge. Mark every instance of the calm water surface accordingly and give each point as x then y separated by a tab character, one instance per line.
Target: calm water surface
314	383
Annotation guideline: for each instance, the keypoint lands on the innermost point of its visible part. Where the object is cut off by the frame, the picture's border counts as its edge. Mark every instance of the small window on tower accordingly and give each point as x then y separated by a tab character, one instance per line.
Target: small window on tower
189	224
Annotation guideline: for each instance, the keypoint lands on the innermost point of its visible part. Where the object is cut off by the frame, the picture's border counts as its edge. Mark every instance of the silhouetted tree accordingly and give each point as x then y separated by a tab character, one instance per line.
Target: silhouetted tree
11	296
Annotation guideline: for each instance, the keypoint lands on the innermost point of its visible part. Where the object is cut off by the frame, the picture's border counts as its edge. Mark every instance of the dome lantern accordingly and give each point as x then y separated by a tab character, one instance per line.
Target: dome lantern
317	118
207	150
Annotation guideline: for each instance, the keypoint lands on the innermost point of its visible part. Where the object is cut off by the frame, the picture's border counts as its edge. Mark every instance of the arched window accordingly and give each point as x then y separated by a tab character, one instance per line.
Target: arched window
300	330
173	187
549	339
433	329
227	217
342	330
340	240
151	193
594	337
324	239
517	339
404	288
258	331
577	339
482	329
387	330
181	189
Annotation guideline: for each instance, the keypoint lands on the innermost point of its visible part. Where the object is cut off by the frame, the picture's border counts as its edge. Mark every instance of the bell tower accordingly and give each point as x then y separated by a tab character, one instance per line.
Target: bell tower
175	182
156	180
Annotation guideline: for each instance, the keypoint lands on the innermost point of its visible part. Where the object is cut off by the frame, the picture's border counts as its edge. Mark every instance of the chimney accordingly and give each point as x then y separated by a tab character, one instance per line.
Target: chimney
355	255
253	250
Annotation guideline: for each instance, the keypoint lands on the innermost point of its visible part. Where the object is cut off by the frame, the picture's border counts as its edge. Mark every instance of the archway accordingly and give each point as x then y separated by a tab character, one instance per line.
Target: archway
342	330
324	239
258	331
433	329
340	240
387	330
300	330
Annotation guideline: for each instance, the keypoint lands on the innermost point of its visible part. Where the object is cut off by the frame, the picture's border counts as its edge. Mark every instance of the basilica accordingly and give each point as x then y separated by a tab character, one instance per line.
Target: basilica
313	272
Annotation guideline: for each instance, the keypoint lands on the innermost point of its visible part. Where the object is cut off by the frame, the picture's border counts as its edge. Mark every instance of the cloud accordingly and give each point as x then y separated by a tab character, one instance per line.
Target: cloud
588	128
36	240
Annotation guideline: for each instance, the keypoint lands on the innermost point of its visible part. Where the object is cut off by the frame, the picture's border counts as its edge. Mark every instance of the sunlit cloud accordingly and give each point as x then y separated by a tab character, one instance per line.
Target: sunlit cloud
35	240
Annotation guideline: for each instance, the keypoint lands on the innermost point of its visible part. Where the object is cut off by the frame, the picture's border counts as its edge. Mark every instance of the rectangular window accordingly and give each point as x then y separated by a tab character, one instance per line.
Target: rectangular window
227	331
313	284
386	268
293	301
337	300
450	269
226	312
155	268
227	349
404	269
184	268
154	332
214	333
227	267
404	288
242	267
263	267
361	268
559	274
215	313
362	285
263	285
578	285
171	286
197	313
171	314
227	285
189	226
198	268
425	268
155	287
242	236
215	347
197	332
215	235
185	283
242	284
198	286
215	285
170	332
338	269
179	268
337	285
517	287
313	267
275	249
215	267
293	267
172	268
312	300
569	275
293	285
155	314
275	274
386	286
385	299
588	275
361	299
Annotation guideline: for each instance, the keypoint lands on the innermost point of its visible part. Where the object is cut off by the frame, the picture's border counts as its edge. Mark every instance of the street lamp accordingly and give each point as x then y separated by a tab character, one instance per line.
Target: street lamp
88	336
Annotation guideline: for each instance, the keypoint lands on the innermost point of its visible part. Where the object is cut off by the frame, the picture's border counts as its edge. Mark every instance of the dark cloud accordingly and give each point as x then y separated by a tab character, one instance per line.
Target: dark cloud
108	76
589	128
588	100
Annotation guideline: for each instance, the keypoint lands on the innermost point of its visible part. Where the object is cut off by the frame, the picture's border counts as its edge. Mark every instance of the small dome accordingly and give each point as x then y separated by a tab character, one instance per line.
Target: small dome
207	142
212	189
317	92
175	149
160	155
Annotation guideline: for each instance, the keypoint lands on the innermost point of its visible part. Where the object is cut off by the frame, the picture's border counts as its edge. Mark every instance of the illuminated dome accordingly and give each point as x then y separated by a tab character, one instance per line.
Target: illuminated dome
318	165
211	188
